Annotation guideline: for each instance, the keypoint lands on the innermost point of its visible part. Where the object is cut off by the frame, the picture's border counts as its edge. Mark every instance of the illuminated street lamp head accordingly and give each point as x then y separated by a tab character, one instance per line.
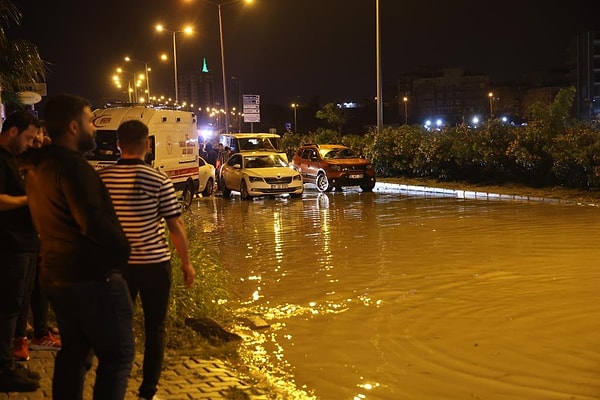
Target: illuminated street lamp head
222	4
188	29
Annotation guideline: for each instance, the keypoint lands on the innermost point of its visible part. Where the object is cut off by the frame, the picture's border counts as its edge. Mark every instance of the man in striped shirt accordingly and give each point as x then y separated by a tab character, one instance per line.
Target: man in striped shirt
144	199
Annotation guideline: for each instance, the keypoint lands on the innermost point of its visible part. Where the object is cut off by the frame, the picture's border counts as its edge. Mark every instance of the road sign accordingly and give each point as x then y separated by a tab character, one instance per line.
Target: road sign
251	117
39	88
251	108
251	99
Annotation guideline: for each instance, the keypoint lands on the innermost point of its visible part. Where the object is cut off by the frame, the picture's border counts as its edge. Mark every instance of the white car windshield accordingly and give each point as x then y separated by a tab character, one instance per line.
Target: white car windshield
266	161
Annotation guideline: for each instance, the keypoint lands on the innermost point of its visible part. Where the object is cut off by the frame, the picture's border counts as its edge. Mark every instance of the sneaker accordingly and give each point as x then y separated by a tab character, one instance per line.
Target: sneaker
21	352
17	380
48	342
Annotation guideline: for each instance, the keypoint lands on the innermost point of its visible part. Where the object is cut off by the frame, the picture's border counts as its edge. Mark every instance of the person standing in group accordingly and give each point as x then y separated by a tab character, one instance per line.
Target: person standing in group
211	154
222	157
83	250
18	248
144	199
43	338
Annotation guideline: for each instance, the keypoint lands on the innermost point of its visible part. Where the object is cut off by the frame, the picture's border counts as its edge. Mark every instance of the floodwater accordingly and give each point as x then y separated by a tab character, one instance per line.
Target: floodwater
384	296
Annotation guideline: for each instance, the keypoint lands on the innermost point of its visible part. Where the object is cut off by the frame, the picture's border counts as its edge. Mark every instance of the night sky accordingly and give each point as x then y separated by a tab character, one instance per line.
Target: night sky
295	50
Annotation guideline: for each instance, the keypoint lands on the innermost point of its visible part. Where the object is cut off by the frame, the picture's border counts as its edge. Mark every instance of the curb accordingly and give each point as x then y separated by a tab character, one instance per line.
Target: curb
427	191
183	378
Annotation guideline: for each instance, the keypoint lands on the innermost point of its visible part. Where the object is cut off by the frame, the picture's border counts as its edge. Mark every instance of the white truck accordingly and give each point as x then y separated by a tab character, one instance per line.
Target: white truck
173	139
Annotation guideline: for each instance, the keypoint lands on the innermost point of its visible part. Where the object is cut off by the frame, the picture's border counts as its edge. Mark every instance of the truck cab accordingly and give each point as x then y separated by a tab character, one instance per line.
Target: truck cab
173	139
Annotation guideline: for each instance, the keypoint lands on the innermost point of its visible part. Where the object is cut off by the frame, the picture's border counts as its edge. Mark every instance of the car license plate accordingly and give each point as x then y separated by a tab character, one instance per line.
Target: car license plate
356	176
280	186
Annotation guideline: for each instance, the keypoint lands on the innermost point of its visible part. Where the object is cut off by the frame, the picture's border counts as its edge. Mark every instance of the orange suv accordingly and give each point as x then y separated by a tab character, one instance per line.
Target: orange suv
331	166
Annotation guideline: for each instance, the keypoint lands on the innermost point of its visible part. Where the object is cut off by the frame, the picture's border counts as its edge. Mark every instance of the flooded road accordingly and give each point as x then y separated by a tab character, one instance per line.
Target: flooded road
383	296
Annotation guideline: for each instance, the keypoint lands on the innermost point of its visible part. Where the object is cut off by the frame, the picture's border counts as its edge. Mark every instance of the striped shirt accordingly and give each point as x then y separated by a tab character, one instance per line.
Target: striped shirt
143	198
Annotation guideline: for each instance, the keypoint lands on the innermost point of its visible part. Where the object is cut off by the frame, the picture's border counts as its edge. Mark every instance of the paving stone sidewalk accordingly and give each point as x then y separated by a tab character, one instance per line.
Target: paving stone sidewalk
183	378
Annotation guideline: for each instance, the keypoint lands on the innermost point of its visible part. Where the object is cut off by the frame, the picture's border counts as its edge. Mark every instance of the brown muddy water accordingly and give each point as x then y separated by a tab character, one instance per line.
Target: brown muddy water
387	296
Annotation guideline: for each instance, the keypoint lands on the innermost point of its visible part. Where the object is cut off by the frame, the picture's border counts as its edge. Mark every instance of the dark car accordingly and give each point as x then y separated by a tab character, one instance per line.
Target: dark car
331	166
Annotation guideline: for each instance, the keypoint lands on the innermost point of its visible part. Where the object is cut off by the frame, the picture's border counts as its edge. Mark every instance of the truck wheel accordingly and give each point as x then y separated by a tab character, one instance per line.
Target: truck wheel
187	196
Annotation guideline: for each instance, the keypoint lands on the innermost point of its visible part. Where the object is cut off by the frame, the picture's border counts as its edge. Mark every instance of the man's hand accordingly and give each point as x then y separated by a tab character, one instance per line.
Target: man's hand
188	274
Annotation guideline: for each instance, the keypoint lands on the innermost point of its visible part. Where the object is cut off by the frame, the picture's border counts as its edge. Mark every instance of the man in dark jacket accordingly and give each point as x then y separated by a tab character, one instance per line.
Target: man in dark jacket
83	249
18	247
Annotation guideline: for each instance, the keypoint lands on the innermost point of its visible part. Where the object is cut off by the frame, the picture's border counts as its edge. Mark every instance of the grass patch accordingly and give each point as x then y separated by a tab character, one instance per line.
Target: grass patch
208	297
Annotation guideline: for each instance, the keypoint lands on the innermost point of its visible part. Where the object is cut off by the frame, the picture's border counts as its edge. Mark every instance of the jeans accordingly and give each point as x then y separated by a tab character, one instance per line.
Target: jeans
16	270
94	317
153	283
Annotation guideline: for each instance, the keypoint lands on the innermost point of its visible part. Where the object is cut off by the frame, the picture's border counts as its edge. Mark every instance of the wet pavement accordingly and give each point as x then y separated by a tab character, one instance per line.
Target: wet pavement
184	377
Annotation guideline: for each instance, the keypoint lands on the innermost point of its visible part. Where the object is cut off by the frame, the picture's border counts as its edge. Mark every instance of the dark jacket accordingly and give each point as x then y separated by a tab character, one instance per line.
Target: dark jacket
81	237
211	154
17	234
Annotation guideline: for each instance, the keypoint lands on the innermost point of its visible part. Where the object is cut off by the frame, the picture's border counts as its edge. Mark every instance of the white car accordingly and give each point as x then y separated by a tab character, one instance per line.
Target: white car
259	174
207	177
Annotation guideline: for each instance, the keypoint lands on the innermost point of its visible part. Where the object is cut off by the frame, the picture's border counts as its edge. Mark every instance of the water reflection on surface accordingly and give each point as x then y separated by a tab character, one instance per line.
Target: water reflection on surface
381	296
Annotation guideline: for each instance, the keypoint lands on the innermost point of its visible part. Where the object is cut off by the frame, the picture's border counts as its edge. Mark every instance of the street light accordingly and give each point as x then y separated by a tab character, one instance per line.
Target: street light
378	56
405	100
146	69
117	81
295	107
187	30
223	53
129	85
491	97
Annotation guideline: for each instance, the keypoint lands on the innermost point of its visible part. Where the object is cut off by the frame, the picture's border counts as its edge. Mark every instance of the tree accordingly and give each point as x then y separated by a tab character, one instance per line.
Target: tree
334	115
20	63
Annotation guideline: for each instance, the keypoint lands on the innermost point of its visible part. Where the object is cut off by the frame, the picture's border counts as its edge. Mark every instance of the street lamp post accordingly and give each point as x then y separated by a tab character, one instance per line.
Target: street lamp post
187	30
378	56
117	81
223	54
239	102
491	97
295	107
146	69
130	88
405	100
